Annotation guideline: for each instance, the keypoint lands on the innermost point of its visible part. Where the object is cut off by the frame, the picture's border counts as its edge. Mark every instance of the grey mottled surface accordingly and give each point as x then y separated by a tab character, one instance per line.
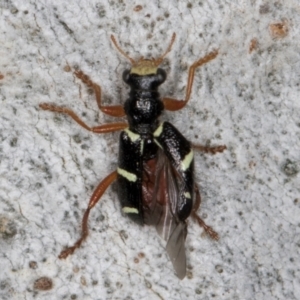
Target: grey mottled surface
49	165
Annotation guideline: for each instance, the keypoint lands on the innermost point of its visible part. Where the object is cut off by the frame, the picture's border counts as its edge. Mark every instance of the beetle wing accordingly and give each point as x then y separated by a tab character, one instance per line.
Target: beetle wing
176	250
161	199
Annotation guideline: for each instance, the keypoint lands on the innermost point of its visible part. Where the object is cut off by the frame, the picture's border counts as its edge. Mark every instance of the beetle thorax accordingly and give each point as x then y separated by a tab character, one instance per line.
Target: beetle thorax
143	109
144	105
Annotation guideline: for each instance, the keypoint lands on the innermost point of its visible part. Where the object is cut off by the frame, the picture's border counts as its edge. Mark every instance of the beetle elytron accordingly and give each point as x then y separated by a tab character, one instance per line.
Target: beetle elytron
155	172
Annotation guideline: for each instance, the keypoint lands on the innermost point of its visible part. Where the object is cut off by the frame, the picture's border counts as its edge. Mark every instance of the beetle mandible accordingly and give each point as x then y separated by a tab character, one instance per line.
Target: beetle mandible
155	173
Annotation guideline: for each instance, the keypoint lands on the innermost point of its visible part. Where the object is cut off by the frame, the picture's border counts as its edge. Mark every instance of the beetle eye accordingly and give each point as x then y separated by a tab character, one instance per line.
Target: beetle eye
126	76
161	75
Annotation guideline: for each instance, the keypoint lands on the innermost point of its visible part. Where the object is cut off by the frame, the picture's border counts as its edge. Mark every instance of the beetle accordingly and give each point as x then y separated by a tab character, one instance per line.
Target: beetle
155	173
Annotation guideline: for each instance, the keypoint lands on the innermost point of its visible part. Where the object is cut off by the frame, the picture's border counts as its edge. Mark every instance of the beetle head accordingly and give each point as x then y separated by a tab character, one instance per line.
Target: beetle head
144	66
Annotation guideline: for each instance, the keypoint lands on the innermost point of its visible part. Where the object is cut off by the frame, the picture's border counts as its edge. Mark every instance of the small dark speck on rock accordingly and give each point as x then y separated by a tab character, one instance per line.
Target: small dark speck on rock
77	138
84	147
66	27
124	234
33	265
7	227
101	13
43	284
198	291
219	269
100	218
14	10
148	284
38	185
4	285
290	168
88	163
13	142
138	8
264	9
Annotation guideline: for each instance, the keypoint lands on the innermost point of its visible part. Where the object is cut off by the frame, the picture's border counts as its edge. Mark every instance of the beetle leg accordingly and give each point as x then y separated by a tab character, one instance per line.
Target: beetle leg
173	104
101	188
213	234
105	128
111	127
114	111
211	150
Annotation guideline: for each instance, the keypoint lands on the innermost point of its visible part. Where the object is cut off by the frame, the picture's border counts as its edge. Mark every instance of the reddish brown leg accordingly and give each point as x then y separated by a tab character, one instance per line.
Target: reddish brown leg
211	150
114	111
97	129
101	188
173	104
214	235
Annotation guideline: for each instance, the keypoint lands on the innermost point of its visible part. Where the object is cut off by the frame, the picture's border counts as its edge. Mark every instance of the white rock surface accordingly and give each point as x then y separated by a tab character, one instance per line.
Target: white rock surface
49	165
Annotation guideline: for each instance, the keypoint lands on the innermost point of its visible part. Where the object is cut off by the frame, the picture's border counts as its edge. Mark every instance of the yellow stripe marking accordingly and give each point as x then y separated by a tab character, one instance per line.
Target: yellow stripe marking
187	195
185	164
130	210
158	144
129	176
133	136
159	130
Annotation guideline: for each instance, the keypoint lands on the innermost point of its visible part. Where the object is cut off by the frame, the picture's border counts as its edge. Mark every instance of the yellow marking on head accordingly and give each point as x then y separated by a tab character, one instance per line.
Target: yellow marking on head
143	70
144	67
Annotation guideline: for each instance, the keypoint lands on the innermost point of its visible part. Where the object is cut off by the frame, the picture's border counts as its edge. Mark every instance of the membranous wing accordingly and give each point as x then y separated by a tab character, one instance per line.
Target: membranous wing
161	187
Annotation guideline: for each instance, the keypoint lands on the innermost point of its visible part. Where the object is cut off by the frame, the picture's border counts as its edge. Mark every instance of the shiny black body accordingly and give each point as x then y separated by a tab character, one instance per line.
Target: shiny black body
143	141
144	105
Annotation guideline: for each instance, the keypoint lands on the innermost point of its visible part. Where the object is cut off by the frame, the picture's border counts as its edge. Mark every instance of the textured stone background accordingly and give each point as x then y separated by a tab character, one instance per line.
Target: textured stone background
49	165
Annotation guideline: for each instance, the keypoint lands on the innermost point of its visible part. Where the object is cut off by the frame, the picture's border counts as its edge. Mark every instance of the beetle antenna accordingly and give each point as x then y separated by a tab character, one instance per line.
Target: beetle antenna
159	60
121	51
